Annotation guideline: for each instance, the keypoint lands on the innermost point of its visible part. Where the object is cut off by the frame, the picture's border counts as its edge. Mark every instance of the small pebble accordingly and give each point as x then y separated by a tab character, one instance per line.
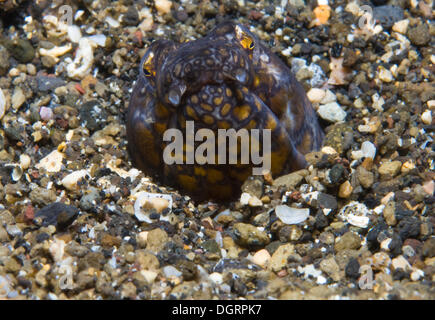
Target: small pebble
401	26
345	190
163	6
391	168
71	180
261	257
426	117
331	112
18	98
46	113
25	161
2	104
52	162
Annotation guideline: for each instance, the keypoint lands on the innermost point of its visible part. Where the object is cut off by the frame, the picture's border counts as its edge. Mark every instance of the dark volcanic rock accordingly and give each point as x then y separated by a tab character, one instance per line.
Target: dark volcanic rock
58	214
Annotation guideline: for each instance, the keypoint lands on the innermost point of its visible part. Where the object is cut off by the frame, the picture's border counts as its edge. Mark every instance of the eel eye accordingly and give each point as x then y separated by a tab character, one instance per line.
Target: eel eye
247	43
147	73
245	40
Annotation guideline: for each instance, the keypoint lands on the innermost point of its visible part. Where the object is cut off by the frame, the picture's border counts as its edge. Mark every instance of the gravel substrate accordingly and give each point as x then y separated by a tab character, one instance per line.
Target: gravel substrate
77	221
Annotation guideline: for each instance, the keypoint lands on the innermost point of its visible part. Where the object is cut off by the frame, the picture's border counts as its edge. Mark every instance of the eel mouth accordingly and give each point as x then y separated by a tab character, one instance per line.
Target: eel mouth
194	66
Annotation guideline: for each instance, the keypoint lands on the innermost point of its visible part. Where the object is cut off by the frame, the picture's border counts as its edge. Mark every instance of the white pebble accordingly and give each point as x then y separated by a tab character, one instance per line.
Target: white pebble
321	280
171	272
329	97
112	22
287	52
401	263
163	6
315	95
401	26
55	52
52	162
368	149
289	215
261	257
331	112
25	161
417	274
71	180
216	277
74	33
244	198
426	117
149	275
385	75
2	104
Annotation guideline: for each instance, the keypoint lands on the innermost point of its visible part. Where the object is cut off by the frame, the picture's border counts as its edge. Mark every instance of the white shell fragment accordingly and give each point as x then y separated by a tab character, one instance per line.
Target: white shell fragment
55	52
82	64
356	214
52	162
17	173
368	150
142	198
289	215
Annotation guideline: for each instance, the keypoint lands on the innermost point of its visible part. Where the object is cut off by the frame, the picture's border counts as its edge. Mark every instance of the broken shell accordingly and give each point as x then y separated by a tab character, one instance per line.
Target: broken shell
356	214
145	198
290	215
17	173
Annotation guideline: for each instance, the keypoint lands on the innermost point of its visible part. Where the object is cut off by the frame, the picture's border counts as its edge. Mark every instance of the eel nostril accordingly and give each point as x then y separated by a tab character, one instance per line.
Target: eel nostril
174	97
175	94
241	76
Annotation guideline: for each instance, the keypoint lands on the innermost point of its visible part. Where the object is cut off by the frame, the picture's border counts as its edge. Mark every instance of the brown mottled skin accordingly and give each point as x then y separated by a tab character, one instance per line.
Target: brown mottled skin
227	79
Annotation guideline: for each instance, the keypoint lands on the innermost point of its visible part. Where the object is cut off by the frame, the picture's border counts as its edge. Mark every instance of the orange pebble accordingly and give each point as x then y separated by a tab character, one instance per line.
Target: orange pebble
322	13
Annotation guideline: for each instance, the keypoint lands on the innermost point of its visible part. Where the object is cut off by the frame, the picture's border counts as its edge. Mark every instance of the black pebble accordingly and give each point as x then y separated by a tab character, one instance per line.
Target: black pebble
352	269
321	220
388	15
326	201
131	17
372	235
336	173
92	115
58	214
42	237
395	245
399	274
409	227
